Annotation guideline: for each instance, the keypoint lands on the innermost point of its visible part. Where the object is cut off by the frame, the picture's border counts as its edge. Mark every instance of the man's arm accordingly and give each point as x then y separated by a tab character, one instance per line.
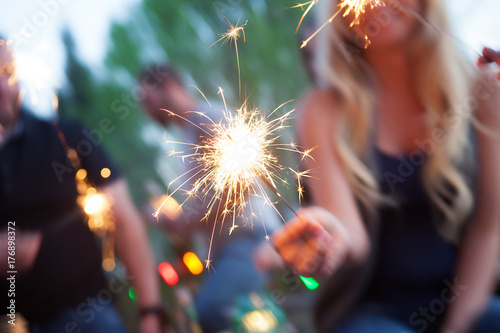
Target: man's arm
133	249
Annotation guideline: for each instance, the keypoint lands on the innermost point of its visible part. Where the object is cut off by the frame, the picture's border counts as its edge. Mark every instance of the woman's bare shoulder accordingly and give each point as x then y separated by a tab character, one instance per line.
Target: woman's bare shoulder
316	110
317	101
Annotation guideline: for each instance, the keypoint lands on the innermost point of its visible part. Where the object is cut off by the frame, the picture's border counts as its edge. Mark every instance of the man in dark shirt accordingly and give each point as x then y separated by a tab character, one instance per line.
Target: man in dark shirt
59	284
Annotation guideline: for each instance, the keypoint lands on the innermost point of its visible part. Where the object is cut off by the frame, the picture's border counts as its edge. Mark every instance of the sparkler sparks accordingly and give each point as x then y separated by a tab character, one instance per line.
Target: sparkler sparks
357	7
234	161
233	33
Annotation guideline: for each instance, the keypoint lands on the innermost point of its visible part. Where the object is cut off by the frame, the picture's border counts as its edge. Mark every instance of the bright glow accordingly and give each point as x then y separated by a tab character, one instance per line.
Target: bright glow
94	204
168	273
192	263
32	69
238	150
241	152
35	73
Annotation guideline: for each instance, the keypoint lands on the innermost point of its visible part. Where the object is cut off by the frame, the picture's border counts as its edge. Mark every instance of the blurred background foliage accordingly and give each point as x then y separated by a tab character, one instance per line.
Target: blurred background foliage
181	33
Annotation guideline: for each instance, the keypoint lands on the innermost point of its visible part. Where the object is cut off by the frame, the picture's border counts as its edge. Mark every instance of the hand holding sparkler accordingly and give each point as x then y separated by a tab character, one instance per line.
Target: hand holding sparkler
314	244
489	56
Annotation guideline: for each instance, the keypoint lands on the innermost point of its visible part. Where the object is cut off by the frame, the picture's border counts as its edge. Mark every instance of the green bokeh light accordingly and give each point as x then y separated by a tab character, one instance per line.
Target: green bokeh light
309	282
131	293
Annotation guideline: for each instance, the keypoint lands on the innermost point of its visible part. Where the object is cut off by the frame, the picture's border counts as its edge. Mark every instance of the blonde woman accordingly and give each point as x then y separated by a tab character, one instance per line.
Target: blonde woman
406	226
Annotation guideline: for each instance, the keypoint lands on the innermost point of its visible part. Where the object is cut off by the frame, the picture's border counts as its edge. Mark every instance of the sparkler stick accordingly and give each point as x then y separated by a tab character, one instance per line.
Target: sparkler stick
278	194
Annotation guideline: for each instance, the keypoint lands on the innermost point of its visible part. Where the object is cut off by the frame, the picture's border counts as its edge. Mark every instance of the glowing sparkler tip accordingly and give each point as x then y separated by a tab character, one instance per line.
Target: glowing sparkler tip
232	34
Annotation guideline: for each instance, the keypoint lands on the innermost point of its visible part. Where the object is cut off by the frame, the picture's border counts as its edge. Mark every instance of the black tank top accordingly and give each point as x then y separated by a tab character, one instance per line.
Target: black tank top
413	261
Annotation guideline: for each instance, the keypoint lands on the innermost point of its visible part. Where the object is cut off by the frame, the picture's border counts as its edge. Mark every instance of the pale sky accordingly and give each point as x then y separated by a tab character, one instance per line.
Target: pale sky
475	22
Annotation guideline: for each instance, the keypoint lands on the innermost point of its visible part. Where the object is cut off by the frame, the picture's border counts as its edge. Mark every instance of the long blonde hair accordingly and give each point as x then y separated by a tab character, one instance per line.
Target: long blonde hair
443	80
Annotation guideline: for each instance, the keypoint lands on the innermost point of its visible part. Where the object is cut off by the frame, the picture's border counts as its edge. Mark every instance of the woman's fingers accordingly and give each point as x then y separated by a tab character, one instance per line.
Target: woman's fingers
297	229
489	56
308	247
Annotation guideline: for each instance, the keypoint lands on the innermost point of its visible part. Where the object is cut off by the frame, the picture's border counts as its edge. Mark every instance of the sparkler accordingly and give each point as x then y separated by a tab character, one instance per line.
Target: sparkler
234	161
358	8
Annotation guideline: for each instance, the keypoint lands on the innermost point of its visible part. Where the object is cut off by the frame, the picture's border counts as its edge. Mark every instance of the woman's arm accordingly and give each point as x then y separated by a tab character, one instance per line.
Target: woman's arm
337	222
478	259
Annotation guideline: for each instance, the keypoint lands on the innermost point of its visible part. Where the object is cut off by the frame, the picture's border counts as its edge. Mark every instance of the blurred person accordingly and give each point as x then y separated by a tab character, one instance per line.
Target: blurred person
406	224
60	285
234	273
